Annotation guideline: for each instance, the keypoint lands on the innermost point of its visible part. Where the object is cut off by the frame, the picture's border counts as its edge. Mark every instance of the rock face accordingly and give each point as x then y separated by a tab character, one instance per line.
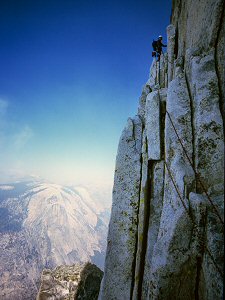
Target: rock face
44	225
165	238
80	281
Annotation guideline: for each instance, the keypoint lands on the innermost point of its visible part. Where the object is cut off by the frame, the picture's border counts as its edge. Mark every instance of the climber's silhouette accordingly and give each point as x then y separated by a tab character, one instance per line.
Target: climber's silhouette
157	47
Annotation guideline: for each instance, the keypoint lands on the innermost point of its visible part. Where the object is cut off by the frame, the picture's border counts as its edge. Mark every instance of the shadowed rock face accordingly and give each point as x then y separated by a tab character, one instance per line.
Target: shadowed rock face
173	235
43	225
75	282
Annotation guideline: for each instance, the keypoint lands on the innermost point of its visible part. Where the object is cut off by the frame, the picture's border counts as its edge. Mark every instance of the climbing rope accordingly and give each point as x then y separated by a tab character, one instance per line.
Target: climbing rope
196	173
177	190
191	217
215	264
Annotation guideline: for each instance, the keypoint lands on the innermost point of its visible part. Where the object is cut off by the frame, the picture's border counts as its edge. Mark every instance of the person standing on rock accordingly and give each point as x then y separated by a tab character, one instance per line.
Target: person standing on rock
157	47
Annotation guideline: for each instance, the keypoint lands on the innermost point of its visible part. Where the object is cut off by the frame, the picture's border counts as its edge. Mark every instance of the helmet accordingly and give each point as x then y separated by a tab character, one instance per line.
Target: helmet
160	37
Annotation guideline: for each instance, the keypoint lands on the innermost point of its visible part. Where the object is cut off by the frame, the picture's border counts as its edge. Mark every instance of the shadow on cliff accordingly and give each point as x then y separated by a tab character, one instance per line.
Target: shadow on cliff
89	284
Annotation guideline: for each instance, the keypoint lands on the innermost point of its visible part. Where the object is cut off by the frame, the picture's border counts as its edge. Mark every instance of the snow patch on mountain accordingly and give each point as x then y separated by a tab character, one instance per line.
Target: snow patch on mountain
46	225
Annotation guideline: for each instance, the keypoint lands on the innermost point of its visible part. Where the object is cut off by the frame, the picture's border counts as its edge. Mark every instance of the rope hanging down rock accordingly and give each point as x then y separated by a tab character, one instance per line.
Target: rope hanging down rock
177	190
196	173
191	218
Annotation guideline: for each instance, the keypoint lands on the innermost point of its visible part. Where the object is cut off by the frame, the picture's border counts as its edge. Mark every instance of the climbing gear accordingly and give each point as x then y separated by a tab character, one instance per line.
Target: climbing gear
154	45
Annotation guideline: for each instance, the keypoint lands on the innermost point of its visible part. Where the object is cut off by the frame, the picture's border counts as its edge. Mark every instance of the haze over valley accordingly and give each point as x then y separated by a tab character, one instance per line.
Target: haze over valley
43	225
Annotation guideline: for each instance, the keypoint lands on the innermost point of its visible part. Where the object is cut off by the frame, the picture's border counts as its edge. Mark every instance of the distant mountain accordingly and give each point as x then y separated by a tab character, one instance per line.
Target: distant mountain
43	225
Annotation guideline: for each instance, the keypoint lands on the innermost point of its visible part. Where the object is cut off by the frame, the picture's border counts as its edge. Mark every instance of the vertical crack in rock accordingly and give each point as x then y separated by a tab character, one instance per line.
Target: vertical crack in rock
134	266
220	82
162	124
192	124
176	43
147	192
199	209
199	259
162	116
155	194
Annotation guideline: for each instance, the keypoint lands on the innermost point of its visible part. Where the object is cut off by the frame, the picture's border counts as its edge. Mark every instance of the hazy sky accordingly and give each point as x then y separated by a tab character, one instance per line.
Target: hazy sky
71	73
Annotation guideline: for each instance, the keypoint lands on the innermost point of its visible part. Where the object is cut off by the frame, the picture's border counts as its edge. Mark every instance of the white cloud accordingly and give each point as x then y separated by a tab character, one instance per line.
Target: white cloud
22	137
11	173
6	187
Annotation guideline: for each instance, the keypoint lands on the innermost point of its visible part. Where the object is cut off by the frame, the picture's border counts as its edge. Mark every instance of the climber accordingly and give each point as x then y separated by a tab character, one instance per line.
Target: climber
157	47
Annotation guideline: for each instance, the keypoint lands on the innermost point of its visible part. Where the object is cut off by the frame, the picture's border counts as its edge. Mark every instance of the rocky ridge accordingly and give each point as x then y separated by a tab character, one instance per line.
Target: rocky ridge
79	281
165	238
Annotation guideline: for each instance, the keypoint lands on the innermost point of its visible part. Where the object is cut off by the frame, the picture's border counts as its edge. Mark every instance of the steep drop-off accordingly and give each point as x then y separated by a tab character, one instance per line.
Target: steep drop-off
44	225
165	238
79	281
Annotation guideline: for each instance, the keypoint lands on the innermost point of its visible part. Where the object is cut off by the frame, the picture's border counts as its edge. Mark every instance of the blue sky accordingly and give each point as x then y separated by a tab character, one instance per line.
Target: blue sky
71	74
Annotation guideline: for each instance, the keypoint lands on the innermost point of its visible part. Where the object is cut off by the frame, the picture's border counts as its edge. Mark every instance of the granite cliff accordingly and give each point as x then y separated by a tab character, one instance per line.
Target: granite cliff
165	238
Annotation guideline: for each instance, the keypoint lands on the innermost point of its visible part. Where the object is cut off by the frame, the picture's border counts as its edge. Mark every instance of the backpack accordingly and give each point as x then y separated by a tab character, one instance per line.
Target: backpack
154	45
